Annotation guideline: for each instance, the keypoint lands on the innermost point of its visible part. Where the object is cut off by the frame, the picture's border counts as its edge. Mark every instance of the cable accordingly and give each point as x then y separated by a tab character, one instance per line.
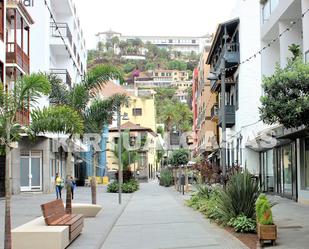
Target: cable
62	38
270	43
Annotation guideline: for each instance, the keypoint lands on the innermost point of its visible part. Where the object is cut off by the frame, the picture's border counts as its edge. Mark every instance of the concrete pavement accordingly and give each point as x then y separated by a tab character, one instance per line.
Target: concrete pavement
26	207
292	220
156	218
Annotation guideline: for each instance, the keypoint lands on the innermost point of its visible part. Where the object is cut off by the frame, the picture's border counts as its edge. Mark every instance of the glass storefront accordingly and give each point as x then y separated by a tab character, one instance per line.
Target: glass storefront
267	171
278	170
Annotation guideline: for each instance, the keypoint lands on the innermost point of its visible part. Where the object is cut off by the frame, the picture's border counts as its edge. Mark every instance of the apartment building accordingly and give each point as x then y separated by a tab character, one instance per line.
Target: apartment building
204	109
184	44
59	39
161	78
30	44
284	166
15	24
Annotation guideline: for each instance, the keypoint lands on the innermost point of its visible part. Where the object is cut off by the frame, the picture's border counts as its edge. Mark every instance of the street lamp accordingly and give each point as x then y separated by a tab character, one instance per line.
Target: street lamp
120	172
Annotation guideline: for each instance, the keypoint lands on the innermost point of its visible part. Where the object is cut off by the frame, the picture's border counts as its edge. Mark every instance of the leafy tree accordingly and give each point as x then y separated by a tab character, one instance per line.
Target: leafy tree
100	46
25	94
286	98
150	66
177	65
129	67
179	157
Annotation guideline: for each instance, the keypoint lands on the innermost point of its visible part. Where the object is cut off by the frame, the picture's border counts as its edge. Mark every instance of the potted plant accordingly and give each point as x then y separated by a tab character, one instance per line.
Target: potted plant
266	229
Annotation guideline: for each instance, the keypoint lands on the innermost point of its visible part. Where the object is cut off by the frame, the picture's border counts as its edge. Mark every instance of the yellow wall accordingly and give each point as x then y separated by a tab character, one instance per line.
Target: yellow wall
148	118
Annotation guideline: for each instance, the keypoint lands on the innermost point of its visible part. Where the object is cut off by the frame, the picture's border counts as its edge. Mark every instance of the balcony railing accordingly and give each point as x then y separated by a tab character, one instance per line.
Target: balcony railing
15	54
63	28
229	116
63	74
231	55
23	117
214	112
215	85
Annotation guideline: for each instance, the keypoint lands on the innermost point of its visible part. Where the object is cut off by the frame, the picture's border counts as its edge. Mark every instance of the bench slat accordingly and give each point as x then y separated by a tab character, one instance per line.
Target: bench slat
55	215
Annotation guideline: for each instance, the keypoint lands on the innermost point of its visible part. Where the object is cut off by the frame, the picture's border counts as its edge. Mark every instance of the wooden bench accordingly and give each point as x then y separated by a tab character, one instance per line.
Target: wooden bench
55	215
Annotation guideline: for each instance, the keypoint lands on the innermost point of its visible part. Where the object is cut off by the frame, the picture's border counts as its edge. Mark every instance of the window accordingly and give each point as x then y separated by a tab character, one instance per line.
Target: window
170	41
193	41
137	112
306	163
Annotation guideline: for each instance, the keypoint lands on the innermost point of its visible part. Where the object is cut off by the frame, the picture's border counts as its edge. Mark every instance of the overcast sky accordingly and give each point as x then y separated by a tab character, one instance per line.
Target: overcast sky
152	17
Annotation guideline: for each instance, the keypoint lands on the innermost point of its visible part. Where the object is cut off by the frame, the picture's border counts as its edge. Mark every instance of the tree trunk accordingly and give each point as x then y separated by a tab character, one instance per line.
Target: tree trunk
7	233
68	207
93	179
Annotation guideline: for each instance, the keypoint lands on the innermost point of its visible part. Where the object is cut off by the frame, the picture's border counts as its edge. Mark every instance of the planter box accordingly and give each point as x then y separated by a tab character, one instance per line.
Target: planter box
267	232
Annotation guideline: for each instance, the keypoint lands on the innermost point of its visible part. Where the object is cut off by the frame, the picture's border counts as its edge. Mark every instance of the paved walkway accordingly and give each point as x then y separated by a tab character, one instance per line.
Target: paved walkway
292	220
156	218
26	207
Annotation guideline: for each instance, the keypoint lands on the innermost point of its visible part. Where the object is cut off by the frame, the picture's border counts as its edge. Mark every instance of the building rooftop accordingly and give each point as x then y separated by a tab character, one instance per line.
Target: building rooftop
110	88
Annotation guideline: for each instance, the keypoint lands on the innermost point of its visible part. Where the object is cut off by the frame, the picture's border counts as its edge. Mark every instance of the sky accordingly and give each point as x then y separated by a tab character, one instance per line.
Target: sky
152	17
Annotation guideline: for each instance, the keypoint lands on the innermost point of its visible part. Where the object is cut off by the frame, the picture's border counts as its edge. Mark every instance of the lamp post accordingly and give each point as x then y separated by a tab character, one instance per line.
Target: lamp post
120	169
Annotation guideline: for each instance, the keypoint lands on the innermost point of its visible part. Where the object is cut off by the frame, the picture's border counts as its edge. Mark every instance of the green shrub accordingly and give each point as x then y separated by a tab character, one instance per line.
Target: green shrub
130	186
166	178
238	197
112	187
242	224
263	210
127	187
203	190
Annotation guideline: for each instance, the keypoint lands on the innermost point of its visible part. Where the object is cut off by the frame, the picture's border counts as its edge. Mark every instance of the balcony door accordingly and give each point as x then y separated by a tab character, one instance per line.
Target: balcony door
31	171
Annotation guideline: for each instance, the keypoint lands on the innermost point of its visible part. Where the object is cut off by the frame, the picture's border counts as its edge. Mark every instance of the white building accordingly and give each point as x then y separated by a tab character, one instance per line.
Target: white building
184	44
278	156
284	168
65	57
30	42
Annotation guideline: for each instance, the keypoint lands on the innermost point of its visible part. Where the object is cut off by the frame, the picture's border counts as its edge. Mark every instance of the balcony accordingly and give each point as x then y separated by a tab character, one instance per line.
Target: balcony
231	55
64	30
62	74
201	118
15	55
215	85
214	112
229	116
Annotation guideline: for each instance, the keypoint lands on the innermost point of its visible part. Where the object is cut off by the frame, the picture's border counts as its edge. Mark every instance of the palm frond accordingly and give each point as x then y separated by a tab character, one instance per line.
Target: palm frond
30	88
58	119
101	74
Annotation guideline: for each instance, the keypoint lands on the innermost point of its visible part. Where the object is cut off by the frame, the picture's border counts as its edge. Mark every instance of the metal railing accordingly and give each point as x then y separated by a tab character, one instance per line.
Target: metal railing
64	30
63	74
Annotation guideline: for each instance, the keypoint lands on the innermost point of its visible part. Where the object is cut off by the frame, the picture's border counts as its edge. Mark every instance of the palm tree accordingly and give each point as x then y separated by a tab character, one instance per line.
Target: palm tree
78	98
99	114
26	92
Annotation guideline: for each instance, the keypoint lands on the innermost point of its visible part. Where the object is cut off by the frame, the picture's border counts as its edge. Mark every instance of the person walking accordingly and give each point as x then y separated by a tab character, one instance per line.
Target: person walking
58	185
73	186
